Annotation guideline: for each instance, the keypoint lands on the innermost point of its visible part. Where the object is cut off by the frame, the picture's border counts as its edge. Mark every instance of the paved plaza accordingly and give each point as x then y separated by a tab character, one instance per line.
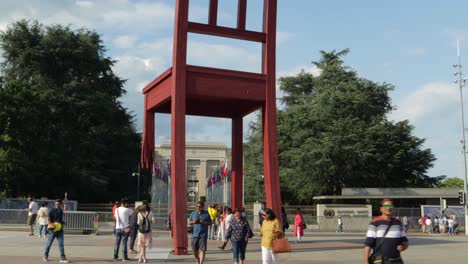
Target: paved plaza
320	248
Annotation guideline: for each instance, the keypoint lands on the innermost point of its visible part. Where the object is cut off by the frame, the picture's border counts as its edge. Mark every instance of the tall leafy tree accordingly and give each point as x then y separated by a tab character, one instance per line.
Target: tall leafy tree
452	183
62	126
334	133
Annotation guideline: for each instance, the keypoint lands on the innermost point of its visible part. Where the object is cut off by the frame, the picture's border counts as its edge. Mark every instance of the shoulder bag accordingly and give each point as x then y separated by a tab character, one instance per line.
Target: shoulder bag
374	257
280	245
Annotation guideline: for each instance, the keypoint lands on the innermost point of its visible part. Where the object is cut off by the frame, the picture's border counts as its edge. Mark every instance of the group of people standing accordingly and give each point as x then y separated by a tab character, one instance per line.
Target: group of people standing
134	224
442	224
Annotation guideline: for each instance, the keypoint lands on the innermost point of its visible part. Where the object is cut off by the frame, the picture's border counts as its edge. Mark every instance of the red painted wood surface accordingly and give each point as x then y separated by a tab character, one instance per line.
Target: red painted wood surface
178	177
237	153
213	13
193	90
241	14
226	32
270	144
147	145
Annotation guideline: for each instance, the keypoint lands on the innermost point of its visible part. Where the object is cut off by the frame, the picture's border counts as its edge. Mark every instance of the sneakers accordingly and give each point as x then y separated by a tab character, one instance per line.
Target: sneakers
126	259
45	259
64	260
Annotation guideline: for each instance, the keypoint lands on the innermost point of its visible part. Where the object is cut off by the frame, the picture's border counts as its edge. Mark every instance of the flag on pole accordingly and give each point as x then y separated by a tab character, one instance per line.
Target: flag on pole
225	169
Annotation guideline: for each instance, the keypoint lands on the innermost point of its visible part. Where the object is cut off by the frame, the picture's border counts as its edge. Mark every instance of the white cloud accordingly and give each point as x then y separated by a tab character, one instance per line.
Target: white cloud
125	41
223	56
282	37
112	15
85	4
417	51
425	101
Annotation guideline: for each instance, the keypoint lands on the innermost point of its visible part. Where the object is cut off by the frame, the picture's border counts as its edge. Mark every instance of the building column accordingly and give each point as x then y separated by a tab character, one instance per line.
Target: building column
202	179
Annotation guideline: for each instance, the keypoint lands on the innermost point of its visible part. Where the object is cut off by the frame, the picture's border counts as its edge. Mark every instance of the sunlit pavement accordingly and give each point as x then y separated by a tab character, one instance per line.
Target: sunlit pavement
17	247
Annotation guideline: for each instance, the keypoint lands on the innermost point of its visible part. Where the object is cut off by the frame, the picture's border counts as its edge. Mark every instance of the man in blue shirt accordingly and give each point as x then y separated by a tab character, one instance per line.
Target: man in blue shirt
200	219
55	222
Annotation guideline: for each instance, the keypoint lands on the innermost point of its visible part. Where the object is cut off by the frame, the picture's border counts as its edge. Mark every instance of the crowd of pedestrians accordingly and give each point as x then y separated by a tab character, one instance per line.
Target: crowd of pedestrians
385	239
444	224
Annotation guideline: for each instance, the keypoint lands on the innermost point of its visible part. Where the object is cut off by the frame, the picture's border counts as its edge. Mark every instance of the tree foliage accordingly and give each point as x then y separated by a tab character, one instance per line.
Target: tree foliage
62	126
452	183
334	133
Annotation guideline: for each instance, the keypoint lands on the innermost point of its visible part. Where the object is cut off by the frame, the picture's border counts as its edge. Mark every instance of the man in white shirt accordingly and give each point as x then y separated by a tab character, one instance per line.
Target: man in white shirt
32	215
122	229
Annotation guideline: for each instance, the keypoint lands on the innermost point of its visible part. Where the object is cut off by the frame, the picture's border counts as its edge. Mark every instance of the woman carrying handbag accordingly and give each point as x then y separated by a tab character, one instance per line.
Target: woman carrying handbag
270	230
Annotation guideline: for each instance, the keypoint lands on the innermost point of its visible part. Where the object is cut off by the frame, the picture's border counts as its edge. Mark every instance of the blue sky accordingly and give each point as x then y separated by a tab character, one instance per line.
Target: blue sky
410	44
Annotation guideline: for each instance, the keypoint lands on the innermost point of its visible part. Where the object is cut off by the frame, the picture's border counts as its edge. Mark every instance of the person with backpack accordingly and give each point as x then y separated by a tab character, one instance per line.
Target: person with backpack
145	236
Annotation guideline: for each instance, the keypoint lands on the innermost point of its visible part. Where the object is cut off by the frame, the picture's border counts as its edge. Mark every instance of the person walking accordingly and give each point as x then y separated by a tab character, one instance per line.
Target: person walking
284	215
114	207
227	222
271	229
134	229
260	214
451	226
386	237
298	225
122	229
340	225
406	222
55	223
238	232
145	235
42	215
213	212
423	223
32	215
200	219
221	228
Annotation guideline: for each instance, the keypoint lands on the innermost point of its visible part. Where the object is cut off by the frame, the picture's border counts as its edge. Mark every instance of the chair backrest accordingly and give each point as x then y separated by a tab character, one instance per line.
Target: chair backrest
267	37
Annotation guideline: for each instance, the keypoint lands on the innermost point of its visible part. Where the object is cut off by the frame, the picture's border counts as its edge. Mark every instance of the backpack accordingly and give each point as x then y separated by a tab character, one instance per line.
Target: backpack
145	226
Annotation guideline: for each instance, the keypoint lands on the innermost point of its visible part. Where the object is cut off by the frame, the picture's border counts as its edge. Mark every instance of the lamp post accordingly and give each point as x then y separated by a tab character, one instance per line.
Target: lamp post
258	176
461	82
137	174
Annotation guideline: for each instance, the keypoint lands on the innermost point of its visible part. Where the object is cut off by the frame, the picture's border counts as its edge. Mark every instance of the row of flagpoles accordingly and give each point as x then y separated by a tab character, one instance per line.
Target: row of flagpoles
217	184
218	174
163	172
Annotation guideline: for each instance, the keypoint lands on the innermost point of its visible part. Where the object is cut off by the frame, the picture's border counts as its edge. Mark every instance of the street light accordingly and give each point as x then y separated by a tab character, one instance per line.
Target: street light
258	176
461	82
137	174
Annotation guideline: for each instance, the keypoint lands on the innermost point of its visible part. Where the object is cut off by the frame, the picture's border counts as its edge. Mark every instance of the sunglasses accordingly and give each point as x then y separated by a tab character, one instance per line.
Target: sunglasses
388	206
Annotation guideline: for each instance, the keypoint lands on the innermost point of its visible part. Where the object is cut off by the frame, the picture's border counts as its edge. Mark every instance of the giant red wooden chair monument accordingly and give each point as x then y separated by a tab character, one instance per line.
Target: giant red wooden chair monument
193	90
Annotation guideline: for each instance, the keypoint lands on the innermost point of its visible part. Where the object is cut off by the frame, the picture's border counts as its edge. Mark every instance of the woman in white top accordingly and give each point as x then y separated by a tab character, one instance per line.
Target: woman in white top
145	235
42	218
227	221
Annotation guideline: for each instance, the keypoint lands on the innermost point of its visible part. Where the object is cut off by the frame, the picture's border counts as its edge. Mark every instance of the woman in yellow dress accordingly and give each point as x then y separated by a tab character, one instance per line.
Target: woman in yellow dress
271	229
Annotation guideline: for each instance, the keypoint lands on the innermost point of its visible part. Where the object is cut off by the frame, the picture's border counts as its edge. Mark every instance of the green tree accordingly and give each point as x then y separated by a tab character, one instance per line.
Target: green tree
452	183
62	126
334	133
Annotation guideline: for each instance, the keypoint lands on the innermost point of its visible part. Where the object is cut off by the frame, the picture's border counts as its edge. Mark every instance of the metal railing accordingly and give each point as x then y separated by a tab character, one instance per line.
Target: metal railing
86	221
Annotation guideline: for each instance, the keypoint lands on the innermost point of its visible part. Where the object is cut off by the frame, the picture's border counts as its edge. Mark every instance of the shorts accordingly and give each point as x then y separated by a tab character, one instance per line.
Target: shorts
199	243
32	219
